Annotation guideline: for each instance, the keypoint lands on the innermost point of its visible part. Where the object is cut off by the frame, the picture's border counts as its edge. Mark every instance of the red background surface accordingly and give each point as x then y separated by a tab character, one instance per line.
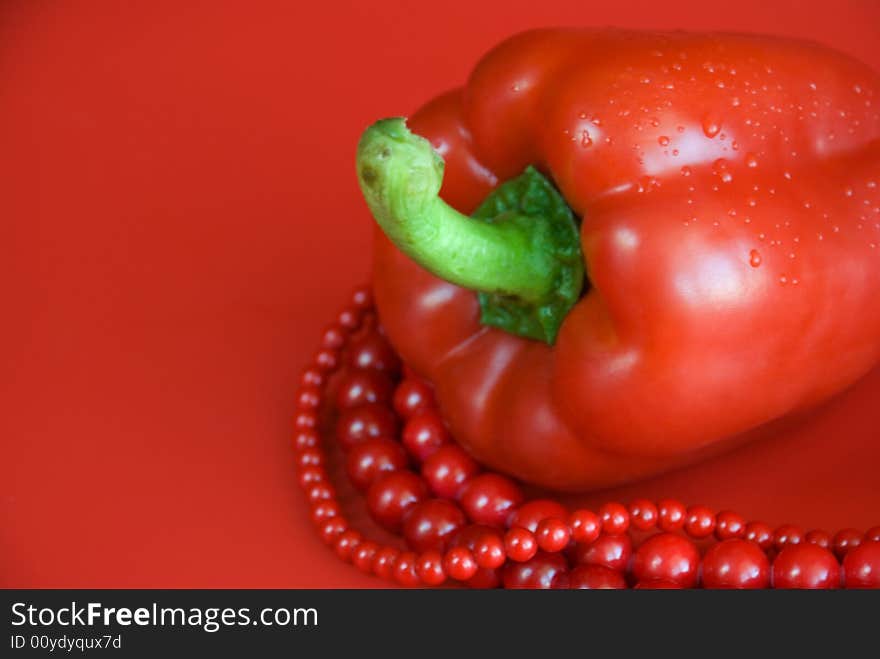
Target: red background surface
179	217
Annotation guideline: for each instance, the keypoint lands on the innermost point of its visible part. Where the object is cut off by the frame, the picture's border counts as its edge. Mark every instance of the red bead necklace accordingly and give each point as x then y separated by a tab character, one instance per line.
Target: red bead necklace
475	527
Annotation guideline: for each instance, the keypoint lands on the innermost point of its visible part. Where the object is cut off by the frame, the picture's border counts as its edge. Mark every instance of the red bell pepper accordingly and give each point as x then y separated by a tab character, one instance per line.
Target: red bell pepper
719	266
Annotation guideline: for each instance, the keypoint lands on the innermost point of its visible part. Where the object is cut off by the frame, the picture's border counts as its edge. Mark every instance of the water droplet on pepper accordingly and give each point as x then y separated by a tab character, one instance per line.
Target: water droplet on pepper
711	126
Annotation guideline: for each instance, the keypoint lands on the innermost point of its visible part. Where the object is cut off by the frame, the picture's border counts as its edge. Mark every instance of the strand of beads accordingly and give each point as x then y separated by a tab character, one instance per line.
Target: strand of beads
467	525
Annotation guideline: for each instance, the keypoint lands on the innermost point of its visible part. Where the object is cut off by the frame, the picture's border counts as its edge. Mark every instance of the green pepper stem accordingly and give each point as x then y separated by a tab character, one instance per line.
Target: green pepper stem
400	176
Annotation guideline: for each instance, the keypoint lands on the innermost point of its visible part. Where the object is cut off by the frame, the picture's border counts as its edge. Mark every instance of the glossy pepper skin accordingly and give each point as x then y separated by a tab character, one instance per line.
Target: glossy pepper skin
728	190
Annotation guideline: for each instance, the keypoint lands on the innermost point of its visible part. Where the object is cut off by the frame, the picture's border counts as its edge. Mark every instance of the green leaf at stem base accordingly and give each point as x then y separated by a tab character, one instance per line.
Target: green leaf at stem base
531	201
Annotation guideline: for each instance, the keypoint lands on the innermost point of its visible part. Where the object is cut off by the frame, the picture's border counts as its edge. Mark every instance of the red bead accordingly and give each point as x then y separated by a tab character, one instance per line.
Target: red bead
312	377
861	567
844	541
305	420
460	563
699	522
309	476
873	534
309	457
372	351
424	433
330	529
472	537
306	438
520	544
657	584
615	518
805	566
787	535
359	423
429	567
532	513
308	398
405	570
391	495
670	515
371	459
431	524
490	499
359	387
728	525
333	337
412	396
346	543
349	319
612	551
327	359
384	562
819	538
585	526
320	492
363	555
552	535
362	298
324	510
542	571
760	534
643	514
489	550
447	471
589	577
736	563
669	557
